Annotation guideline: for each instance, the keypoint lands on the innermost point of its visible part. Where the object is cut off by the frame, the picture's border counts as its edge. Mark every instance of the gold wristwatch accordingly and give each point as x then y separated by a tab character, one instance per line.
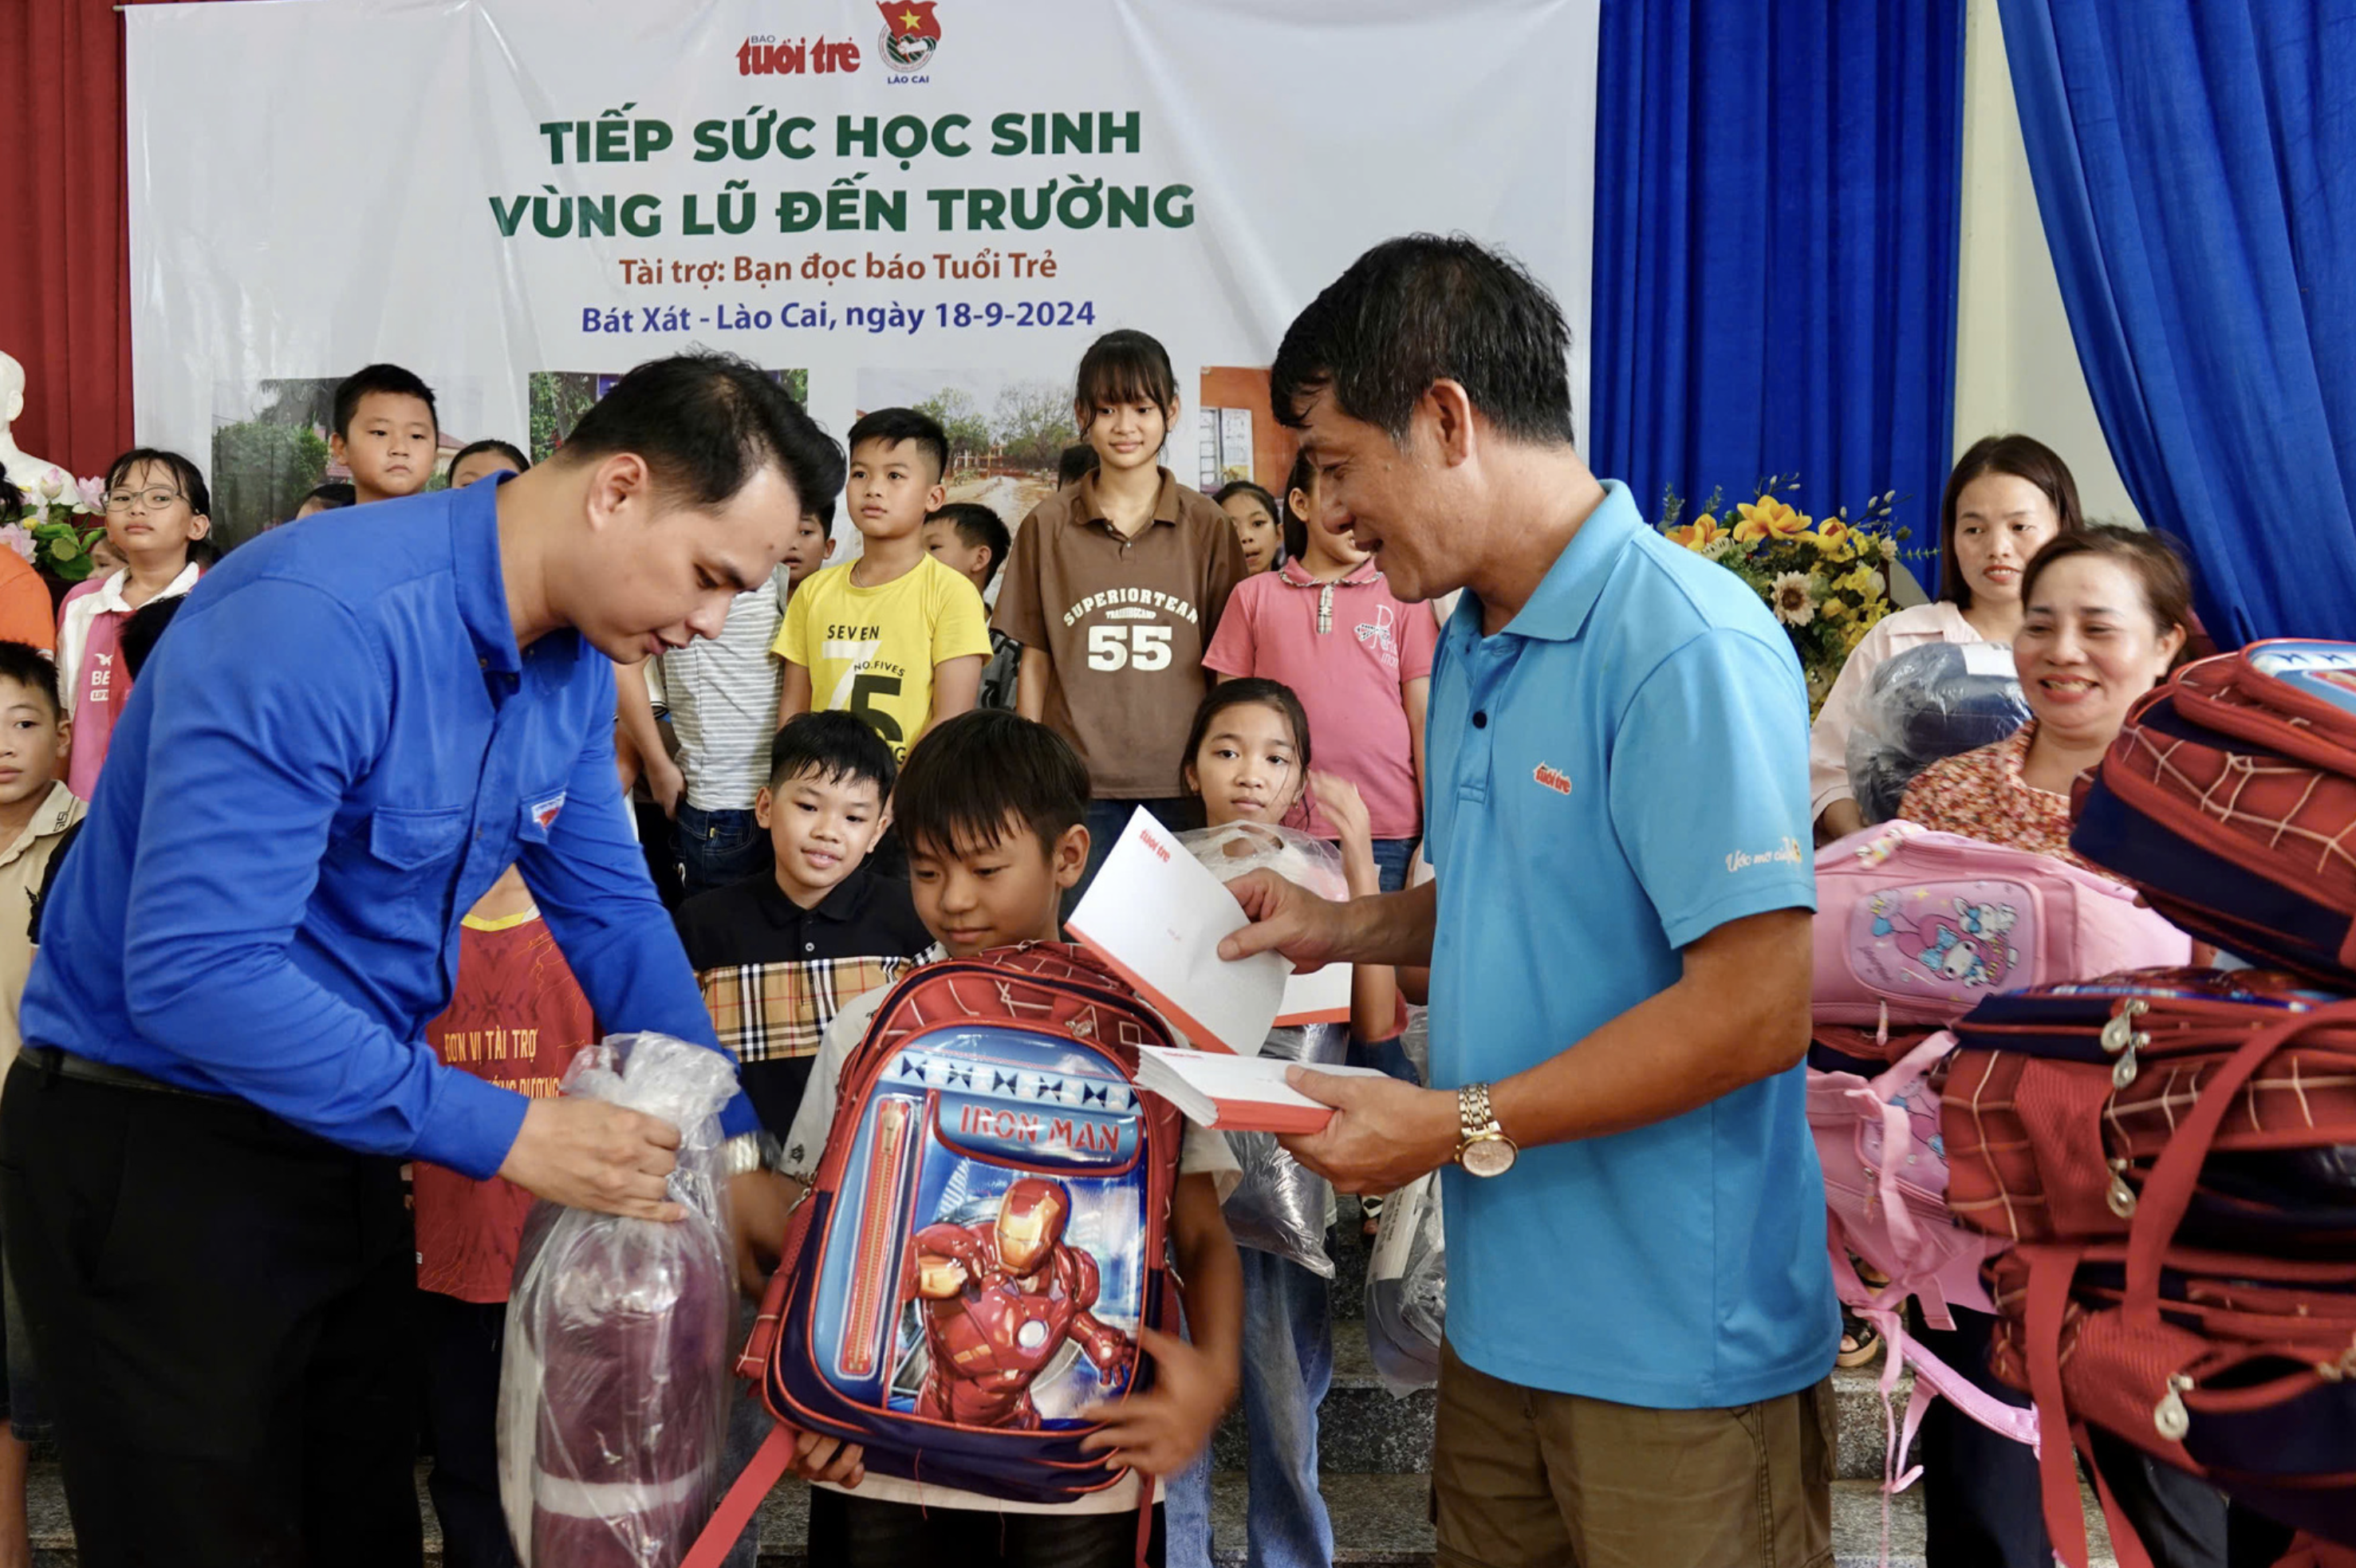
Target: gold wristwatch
740	1155
1485	1150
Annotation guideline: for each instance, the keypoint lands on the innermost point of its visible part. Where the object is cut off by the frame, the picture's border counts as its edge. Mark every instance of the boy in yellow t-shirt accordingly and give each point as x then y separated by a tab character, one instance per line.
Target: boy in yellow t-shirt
894	636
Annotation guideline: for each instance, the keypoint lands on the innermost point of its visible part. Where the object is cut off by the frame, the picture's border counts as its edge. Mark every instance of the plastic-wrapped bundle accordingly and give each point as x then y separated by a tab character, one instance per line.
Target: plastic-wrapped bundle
1279	1206
1407	1288
614	1392
1937	701
1231	851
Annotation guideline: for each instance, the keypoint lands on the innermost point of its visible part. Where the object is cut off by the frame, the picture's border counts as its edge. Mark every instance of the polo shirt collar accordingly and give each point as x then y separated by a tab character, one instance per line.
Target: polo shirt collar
110	593
843	903
1165	499
482	584
53	816
1365	571
1558	612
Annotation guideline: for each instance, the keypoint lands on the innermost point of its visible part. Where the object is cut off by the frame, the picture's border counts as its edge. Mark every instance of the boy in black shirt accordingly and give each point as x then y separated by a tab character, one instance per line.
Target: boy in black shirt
779	953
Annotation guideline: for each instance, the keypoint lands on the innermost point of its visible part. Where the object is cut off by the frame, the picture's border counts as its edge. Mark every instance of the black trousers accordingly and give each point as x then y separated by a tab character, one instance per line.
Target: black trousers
1981	1503
462	1341
220	1307
847	1531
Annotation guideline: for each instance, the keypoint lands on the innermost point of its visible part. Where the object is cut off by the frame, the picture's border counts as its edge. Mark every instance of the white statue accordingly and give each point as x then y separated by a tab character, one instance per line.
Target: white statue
42	483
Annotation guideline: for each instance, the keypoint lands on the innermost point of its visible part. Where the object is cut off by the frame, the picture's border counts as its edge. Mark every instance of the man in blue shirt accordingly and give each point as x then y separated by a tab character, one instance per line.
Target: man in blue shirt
350	732
1640	1317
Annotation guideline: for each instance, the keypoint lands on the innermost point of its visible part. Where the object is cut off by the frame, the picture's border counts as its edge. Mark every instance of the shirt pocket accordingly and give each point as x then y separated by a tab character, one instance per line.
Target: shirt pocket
409	838
538	813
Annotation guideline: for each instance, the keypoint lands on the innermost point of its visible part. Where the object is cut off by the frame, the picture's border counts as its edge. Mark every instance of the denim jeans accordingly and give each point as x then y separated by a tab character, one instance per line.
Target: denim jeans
1288	1366
1186	1513
1392	857
716	848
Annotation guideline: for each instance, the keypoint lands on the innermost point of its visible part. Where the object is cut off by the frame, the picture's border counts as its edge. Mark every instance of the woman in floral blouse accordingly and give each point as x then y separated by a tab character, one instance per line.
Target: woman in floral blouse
2106	614
2009	495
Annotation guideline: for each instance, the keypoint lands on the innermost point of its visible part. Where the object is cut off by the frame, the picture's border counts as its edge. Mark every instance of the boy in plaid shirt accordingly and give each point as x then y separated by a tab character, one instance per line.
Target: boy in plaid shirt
779	953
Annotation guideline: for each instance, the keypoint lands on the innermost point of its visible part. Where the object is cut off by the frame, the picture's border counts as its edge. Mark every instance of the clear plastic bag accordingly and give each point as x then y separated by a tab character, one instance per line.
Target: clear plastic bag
1279	1206
1937	701
1407	1288
613	1391
1231	851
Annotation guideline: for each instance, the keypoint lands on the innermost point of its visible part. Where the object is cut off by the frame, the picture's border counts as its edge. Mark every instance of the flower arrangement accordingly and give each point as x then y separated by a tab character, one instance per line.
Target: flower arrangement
62	520
1827	582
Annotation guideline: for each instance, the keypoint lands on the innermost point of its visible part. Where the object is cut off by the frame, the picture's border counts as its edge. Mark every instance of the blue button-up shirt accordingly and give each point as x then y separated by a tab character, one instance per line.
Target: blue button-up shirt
336	751
1618	771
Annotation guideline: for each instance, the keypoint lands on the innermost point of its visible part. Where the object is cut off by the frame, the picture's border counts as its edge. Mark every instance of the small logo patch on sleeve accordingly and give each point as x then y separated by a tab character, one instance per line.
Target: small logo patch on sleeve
544	811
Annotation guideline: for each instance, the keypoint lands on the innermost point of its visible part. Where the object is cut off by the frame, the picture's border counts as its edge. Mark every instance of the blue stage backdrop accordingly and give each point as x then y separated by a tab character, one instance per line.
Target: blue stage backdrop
2192	161
1776	199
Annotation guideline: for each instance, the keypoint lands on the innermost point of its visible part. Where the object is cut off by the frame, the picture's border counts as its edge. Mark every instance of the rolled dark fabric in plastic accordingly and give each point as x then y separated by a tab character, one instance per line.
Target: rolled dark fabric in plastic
1937	701
614	1392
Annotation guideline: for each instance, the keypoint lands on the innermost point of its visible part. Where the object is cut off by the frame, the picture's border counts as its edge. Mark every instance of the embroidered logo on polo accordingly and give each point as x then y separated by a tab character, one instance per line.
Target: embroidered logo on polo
544	811
1553	778
1380	635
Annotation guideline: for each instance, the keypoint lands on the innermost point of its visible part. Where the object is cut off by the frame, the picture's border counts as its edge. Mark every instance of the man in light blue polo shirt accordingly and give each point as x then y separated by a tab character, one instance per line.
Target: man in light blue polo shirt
1641	1318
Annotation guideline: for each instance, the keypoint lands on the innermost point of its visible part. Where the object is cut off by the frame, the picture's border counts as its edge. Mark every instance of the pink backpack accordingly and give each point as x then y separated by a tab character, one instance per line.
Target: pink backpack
1915	927
1886	1194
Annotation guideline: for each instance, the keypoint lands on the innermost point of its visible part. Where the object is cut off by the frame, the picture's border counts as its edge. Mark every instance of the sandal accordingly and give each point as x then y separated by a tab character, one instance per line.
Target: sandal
1372	1207
1860	1341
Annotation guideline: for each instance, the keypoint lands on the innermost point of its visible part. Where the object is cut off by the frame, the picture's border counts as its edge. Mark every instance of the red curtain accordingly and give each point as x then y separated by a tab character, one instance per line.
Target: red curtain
65	264
65	271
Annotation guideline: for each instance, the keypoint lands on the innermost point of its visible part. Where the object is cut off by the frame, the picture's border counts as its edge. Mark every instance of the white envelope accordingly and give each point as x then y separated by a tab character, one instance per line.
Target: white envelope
1157	917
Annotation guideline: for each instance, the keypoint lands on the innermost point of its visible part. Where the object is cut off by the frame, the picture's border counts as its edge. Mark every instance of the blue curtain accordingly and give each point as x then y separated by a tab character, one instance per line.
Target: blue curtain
1776	195
2195	163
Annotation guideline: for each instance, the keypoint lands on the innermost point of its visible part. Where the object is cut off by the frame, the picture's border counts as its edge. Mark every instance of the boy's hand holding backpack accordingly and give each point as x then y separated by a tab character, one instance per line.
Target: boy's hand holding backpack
1160	1432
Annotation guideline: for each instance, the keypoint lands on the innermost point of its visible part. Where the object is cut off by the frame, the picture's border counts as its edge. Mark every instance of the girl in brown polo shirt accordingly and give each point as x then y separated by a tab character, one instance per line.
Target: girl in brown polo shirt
1114	589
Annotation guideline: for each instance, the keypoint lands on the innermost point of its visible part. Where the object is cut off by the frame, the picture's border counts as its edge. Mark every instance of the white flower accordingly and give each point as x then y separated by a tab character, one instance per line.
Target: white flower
1794	597
1719	549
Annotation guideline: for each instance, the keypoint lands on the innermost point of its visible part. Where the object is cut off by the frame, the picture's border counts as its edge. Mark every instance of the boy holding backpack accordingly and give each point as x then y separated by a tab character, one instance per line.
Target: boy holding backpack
991	807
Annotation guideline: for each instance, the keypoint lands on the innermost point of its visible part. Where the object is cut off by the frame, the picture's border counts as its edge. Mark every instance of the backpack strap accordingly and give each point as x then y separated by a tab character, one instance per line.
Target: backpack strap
2167	1190
744	1500
2051	1270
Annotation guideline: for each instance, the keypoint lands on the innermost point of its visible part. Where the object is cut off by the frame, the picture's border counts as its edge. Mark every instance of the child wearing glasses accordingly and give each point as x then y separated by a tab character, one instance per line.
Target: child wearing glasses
157	509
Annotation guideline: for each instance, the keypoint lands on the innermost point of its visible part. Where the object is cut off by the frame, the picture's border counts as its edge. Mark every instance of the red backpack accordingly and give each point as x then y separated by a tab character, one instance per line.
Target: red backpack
2228	799
2174	1153
982	1237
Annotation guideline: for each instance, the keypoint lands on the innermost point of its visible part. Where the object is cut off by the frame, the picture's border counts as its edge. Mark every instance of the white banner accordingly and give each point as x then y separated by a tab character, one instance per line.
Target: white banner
939	202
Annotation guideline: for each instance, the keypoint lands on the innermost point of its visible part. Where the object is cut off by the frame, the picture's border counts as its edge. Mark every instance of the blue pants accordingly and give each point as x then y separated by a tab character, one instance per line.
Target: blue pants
716	848
1288	1365
1392	857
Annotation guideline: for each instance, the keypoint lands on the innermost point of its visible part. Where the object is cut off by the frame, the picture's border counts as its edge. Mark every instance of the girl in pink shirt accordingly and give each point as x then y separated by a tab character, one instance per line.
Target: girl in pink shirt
1327	624
158	508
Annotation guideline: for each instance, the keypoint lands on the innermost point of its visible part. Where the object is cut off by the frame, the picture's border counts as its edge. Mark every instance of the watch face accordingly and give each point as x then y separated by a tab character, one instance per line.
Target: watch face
1488	1156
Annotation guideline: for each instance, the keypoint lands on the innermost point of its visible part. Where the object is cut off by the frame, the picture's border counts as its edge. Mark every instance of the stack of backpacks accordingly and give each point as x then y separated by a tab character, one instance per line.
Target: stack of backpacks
1914	928
2164	1159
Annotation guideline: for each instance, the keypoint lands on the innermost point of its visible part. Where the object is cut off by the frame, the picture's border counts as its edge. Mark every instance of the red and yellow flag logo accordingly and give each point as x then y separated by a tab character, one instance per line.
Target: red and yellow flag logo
910	18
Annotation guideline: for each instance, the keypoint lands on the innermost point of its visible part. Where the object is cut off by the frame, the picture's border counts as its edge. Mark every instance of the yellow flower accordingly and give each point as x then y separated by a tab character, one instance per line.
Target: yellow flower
1835	608
1832	538
1699	534
1768	518
1865	582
